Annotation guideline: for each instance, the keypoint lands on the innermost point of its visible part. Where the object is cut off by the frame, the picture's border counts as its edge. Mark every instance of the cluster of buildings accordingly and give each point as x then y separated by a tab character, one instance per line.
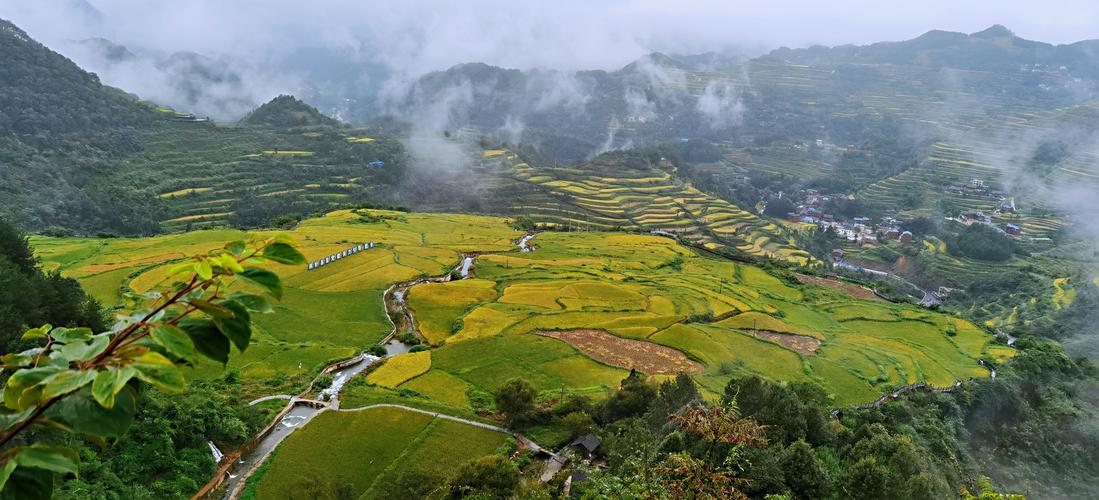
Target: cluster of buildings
857	231
354	249
973	216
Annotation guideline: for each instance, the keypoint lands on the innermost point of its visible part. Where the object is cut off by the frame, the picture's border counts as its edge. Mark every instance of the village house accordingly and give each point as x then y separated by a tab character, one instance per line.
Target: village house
905	237
974	215
586	445
1013	230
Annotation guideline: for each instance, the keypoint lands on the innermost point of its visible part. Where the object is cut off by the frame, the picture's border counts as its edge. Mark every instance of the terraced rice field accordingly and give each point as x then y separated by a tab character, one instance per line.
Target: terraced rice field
725	318
728	318
400	369
364	452
342	301
198	171
652	200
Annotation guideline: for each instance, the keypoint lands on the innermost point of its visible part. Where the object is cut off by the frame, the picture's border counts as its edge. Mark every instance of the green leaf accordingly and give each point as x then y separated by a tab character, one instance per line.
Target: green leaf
208	339
83	351
174	339
283	253
235	247
154	368
68	335
15	360
252	302
283	238
263	278
85	415
28	483
66	382
8	419
227	262
109	382
237	326
23	390
203	270
5	473
35	333
214	310
63	460
184	267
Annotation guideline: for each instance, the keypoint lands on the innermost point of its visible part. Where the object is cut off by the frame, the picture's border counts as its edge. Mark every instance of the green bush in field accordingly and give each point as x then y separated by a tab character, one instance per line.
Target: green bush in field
322	382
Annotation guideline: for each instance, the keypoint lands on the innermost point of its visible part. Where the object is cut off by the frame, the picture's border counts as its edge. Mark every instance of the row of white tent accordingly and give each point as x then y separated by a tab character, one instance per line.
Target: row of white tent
341	254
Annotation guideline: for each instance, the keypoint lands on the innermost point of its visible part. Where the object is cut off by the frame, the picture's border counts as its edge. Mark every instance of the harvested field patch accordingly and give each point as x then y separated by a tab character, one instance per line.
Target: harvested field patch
851	289
800	343
646	357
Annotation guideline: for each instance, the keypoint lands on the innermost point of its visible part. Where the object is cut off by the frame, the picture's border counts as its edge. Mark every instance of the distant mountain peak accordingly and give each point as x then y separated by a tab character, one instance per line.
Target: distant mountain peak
287	111
994	31
657	59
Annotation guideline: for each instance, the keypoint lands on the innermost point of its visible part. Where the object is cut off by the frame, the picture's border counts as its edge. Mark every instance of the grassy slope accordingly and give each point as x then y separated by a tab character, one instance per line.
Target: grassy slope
368	449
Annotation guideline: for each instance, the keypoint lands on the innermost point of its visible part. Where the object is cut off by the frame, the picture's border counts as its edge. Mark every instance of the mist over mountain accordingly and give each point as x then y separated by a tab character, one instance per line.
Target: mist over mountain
882	257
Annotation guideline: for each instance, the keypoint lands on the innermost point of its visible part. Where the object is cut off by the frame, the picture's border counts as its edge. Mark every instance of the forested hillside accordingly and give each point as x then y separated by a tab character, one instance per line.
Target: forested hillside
42	93
79	157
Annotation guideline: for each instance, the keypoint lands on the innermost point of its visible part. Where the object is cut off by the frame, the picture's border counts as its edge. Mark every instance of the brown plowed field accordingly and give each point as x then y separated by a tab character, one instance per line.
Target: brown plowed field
800	343
645	357
853	290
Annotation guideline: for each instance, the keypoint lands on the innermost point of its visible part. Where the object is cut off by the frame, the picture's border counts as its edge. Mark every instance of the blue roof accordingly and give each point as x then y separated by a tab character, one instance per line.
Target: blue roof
376	163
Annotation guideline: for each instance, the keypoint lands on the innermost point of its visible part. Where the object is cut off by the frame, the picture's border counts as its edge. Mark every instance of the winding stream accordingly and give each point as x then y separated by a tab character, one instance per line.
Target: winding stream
304	407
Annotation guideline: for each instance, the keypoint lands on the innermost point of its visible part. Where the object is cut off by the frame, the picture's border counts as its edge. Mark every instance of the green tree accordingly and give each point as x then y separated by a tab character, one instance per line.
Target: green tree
515	400
631	399
493	476
866	479
578	423
804	471
29	296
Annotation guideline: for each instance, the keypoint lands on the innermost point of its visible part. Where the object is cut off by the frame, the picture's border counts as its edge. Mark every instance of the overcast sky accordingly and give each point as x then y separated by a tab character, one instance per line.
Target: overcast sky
414	36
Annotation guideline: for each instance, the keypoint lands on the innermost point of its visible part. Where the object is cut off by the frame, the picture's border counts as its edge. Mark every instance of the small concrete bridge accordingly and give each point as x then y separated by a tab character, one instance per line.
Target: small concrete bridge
295	400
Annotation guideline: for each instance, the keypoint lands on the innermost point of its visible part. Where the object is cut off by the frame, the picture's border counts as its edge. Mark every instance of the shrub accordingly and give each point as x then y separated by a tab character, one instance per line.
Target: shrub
322	382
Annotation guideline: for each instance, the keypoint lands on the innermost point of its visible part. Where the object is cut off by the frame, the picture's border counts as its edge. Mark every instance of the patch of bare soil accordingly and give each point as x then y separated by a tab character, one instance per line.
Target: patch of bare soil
800	343
859	292
645	357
